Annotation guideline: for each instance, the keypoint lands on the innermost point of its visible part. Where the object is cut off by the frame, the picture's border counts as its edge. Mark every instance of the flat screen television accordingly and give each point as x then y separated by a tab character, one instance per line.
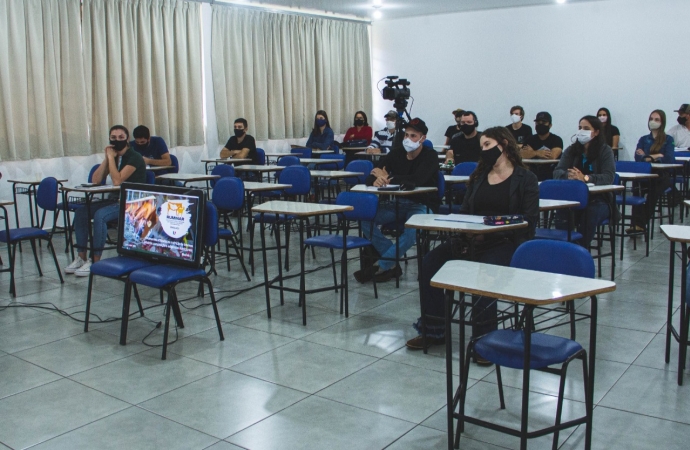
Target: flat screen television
163	224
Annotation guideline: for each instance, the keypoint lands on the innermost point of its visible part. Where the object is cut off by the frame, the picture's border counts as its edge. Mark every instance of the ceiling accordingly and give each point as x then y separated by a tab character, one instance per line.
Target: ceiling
391	9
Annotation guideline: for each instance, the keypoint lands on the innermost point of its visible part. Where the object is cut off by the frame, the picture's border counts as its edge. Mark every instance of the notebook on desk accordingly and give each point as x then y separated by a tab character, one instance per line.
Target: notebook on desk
163	224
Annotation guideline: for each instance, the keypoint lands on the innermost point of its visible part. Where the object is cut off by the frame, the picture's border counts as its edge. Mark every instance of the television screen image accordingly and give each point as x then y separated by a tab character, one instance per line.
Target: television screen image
161	224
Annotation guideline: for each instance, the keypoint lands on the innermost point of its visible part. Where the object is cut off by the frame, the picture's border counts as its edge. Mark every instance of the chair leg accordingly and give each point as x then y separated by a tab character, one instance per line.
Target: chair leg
499	380
13	255
33	249
176	310
335	280
559	405
57	265
136	296
215	307
683	344
88	304
240	256
125	312
167	324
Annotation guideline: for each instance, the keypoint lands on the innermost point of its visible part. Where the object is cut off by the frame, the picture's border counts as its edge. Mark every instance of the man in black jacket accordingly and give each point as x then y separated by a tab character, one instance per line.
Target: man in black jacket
409	164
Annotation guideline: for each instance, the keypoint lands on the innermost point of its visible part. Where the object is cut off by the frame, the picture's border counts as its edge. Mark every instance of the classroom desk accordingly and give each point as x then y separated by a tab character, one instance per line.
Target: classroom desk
451	180
441	148
301	212
159	168
529	288
187	177
32	186
371	156
316	161
231	161
353	149
552	205
538	161
258	169
673	168
625	177
396	195
676	234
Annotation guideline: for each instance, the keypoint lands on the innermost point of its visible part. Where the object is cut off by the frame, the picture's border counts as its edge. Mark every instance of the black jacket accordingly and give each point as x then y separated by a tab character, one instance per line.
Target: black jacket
524	199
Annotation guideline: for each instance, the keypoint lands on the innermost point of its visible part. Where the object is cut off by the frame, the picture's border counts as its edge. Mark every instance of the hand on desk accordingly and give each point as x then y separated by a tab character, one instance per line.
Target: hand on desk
380	173
381	182
575	174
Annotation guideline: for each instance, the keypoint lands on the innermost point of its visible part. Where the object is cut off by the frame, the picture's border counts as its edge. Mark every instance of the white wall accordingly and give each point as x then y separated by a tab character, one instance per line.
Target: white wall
630	56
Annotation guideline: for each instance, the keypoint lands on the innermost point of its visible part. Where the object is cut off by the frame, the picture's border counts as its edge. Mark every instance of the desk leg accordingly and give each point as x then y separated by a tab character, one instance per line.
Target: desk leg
669	307
16	211
683	347
592	359
625	188
450	391
419	279
397	242
303	296
263	254
89	226
529	325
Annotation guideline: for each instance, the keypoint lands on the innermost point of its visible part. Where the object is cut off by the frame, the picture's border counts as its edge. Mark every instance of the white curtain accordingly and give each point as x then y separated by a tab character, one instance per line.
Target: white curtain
143	66
276	70
43	112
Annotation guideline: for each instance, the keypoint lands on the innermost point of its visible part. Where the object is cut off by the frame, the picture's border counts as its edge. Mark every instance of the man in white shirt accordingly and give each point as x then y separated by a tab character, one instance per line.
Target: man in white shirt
681	132
383	139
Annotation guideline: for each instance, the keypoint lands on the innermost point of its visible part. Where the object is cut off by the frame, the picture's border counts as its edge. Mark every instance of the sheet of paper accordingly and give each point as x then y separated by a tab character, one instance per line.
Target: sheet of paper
462	218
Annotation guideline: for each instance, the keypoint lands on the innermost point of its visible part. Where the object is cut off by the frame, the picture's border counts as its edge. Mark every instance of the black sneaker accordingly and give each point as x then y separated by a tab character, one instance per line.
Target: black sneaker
418	343
365	275
382	277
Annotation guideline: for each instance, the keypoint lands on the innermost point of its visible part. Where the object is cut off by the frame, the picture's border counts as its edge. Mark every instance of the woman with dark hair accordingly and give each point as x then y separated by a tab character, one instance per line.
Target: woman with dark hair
611	131
361	131
655	147
590	160
321	137
500	185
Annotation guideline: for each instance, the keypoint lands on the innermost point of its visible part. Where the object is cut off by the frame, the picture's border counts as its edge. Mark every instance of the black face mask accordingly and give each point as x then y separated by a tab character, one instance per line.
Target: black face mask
682	120
541	129
359	123
467	129
118	145
238	133
490	156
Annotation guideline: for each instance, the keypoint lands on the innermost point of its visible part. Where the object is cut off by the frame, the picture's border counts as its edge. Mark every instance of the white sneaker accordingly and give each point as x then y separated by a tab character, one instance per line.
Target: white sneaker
77	263
85	269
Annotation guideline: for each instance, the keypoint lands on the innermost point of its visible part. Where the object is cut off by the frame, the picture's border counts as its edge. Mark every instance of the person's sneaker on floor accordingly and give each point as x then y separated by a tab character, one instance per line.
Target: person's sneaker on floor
84	270
76	264
365	275
635	229
387	275
418	342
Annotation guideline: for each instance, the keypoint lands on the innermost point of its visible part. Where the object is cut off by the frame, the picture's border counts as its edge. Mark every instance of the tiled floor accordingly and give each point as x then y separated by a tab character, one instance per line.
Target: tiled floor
335	384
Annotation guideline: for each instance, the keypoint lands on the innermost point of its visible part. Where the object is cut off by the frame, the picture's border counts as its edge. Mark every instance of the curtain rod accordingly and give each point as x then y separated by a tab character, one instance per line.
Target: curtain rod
283	11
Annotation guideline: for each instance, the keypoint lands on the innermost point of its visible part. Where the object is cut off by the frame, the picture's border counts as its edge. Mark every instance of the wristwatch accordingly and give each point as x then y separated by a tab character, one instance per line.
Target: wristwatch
586	178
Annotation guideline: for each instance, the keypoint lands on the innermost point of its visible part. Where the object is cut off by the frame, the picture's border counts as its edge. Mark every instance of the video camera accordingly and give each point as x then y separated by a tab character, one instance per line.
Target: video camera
397	90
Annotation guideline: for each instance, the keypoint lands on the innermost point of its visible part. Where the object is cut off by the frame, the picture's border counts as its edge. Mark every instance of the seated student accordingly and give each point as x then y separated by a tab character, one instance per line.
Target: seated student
152	148
241	145
122	163
542	145
409	164
611	131
501	184
383	140
321	137
655	147
360	132
589	160
454	130
464	147
681	132
519	130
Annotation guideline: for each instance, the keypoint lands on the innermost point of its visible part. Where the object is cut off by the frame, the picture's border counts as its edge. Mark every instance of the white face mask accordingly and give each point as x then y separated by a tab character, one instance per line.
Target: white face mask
603	119
516	118
583	136
410	145
654	125
390	125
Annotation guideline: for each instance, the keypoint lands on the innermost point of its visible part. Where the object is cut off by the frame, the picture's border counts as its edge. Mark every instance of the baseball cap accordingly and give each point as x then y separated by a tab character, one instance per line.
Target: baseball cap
392	114
543	116
418	125
684	108
458	111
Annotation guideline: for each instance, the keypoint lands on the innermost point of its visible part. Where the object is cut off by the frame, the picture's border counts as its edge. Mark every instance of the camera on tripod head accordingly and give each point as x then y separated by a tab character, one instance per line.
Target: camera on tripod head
397	90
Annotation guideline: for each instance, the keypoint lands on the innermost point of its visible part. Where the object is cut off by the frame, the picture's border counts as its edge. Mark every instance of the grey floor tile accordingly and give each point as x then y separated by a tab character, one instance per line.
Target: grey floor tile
230	309
630	315
47	411
223	403
404	308
638	291
139	328
435	359
327	424
304	366
132	429
361	298
286	320
654	355
222	445
143	376
18	336
396	390
12	311
18	376
423	438
31	285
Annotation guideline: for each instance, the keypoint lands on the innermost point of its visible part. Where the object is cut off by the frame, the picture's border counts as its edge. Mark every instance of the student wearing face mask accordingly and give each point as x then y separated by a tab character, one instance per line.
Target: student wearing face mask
321	137
500	185
519	130
681	132
361	131
454	130
611	131
542	145
655	147
152	148
122	164
590	160
409	164
383	139
241	145
464	147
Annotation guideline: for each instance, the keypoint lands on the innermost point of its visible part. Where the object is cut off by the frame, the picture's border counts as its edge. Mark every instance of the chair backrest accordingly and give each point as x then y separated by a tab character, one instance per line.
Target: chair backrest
223	171
565	258
289	160
261	156
302	152
365	205
92	171
299	177
633	167
47	194
338	162
363	166
441	185
150	177
428	143
175	162
228	195
210	225
571	190
464	169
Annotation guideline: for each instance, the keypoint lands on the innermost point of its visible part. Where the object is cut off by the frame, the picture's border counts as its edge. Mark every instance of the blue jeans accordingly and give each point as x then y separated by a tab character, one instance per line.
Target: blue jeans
102	213
386	214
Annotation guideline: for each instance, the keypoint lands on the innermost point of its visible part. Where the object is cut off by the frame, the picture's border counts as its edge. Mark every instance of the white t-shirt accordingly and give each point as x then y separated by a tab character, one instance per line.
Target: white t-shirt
681	136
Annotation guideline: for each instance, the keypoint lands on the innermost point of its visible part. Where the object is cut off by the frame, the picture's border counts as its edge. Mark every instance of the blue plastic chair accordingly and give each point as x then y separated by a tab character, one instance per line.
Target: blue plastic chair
365	208
175	163
331	186
362	166
462	169
223	171
633	200
570	190
508	347
166	277
261	156
427	143
302	152
288	160
228	196
150	177
46	199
